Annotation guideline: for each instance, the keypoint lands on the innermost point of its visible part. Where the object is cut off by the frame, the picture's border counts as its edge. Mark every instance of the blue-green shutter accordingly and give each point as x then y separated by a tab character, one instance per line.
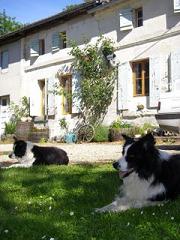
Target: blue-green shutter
126	21
4	59
34	52
176	5
55	42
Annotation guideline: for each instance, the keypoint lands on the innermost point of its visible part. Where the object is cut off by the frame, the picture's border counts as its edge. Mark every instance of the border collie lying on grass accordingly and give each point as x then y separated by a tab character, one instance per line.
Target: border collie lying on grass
149	175
29	154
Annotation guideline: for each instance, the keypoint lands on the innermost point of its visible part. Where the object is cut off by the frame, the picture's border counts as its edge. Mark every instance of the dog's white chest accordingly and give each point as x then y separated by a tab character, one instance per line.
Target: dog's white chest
139	189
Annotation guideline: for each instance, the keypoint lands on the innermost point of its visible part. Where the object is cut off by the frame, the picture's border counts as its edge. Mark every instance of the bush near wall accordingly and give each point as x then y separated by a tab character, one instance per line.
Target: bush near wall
101	134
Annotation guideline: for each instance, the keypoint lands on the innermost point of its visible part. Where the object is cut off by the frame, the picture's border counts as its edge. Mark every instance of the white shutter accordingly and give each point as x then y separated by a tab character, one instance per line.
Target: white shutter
55	42
154	81
165	77
175	71
126	22
35	100
124	77
75	92
51	96
34	51
176	5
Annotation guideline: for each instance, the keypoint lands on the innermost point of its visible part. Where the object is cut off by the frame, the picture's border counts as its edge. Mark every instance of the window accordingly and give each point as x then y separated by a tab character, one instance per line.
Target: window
58	41
41	47
4	59
4	102
140	78
66	83
62	40
138	17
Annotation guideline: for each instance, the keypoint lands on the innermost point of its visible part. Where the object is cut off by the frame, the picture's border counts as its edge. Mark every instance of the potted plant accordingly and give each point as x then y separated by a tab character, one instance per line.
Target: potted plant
117	128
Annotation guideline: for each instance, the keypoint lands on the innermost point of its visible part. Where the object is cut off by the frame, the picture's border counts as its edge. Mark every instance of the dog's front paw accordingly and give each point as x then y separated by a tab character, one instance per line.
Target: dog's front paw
109	208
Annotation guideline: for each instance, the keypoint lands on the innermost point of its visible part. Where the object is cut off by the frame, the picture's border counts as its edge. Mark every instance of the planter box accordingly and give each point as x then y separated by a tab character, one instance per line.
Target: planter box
23	130
115	134
39	135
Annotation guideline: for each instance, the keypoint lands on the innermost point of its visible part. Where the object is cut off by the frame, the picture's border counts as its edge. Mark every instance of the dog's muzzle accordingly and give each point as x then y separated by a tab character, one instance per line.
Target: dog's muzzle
116	165
122	174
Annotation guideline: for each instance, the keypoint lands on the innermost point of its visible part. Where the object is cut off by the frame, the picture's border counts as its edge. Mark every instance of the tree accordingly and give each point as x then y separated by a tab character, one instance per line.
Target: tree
8	24
97	78
70	7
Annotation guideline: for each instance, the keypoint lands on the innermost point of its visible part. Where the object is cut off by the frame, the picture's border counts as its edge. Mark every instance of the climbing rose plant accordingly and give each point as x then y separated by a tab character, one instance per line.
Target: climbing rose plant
97	78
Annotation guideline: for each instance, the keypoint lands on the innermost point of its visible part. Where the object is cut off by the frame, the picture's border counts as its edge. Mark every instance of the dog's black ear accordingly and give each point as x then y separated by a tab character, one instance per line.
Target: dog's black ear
15	138
148	140
127	138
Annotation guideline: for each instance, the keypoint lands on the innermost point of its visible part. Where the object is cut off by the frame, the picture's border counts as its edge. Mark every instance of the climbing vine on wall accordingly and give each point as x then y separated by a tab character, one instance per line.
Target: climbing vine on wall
97	78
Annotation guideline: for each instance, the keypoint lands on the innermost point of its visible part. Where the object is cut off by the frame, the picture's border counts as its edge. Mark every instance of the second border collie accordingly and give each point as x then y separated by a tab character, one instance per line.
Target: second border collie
149	175
29	154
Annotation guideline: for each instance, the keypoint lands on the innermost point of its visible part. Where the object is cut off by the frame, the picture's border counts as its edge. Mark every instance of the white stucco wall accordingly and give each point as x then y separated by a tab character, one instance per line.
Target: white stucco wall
159	35
10	78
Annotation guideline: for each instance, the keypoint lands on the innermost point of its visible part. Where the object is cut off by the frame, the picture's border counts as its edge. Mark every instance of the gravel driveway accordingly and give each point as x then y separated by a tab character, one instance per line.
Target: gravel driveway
78	153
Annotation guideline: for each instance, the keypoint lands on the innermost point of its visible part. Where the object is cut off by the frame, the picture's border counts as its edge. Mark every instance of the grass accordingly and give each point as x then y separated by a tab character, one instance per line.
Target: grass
58	202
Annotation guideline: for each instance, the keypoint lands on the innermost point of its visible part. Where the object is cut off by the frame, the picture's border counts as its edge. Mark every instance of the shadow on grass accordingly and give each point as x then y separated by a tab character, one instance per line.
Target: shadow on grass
73	192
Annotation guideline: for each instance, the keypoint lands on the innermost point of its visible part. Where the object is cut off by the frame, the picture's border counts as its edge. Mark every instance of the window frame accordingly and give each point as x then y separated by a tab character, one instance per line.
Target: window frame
143	77
63	40
41	46
137	18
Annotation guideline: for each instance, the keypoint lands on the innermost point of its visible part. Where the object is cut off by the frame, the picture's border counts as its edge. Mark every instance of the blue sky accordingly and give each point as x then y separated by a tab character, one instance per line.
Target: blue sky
32	10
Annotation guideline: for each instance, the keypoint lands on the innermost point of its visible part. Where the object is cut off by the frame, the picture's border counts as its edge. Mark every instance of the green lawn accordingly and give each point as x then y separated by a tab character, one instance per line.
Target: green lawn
58	202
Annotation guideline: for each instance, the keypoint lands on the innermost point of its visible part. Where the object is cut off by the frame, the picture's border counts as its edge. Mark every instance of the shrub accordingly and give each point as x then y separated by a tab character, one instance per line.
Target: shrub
101	134
10	128
120	124
138	130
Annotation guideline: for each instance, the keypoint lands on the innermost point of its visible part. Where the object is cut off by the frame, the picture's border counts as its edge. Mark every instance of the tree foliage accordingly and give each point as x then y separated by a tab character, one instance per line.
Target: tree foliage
8	24
97	78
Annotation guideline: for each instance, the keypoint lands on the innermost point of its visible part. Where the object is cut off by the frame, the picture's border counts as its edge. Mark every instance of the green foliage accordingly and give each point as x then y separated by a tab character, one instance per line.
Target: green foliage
43	140
141	130
63	123
101	134
107	47
118	124
10	127
97	79
70	7
20	110
8	24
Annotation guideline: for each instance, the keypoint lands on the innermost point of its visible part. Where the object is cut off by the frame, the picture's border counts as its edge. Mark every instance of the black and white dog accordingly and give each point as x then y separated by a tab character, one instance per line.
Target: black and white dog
29	154
149	175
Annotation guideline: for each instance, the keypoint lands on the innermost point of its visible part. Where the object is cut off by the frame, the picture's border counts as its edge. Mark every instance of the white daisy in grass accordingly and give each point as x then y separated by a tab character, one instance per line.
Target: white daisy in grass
128	224
172	218
71	213
50	208
142	212
167	213
6	230
52	239
153	214
43	237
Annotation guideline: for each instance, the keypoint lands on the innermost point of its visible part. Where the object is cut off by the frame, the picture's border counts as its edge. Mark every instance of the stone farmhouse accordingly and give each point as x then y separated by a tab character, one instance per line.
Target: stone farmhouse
146	34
